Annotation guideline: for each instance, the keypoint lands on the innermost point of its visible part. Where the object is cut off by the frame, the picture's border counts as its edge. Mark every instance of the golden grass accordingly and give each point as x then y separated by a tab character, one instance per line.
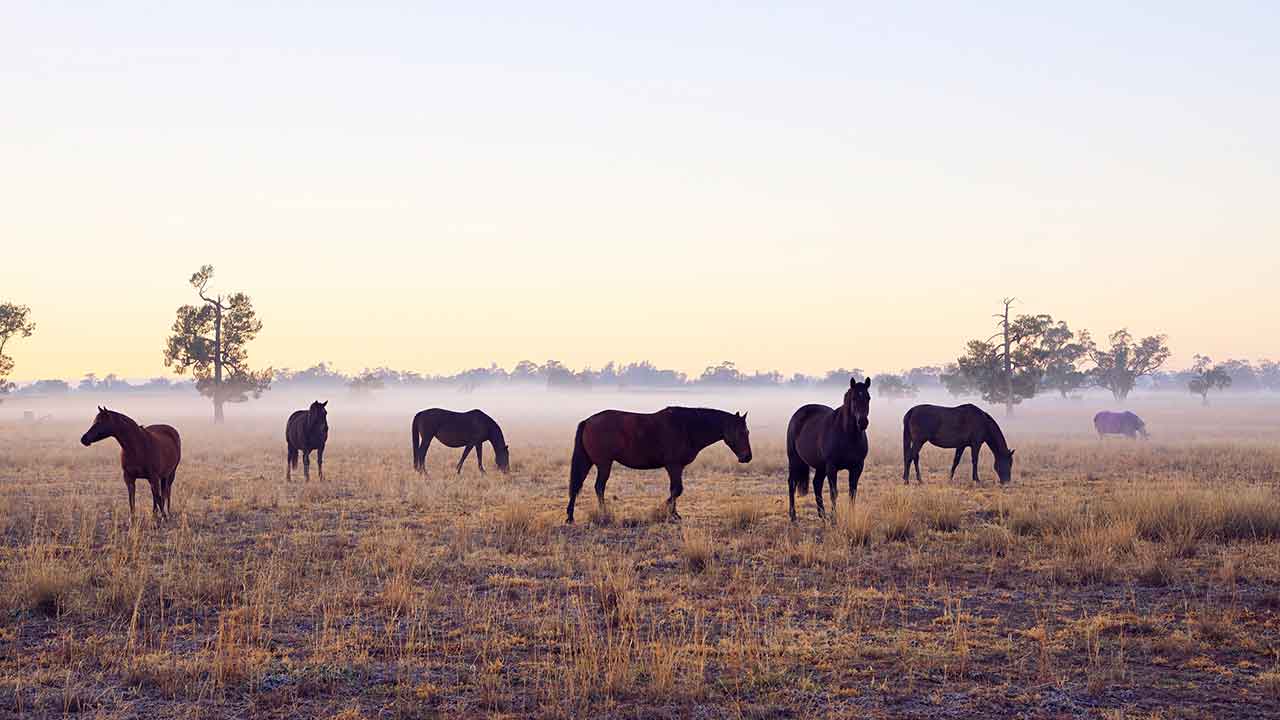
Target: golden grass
1100	571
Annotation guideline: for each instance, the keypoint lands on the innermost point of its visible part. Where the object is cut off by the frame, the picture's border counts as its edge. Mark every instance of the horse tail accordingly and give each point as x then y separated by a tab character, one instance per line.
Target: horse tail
797	468
906	436
580	465
417	444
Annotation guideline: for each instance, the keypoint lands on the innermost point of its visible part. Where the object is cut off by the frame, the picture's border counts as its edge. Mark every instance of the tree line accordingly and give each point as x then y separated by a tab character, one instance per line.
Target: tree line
1027	355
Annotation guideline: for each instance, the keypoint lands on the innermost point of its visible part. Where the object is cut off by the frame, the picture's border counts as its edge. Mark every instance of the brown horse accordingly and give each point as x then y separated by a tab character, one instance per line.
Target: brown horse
458	429
960	427
305	431
670	438
150	453
828	441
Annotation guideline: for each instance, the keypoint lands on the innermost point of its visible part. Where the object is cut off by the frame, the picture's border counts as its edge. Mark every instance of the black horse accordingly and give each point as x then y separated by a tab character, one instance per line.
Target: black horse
670	438
307	430
960	427
828	441
465	430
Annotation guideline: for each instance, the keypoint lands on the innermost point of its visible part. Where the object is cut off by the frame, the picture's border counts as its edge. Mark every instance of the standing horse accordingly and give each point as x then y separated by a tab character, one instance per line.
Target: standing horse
150	453
828	441
307	430
465	430
1120	423
960	427
670	438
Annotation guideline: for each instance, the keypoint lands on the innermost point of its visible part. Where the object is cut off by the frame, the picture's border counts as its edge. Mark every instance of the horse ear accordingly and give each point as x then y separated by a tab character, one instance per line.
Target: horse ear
324	404
1011	453
744	417
868	382
853	381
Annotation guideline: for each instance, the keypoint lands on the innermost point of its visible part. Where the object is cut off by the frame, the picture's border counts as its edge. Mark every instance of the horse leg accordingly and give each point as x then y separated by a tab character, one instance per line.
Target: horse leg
916	446
955	463
465	452
157	492
422	454
676	472
306	466
855	472
791	494
833	476
602	479
320	462
290	460
480	456
130	483
819	475
168	491
973	454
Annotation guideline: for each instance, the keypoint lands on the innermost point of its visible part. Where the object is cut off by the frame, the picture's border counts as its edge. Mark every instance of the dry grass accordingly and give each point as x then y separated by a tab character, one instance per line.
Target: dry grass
1100	573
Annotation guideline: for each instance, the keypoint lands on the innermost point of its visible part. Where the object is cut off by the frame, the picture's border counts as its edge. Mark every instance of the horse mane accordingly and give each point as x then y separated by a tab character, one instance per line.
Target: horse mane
495	432
698	418
994	434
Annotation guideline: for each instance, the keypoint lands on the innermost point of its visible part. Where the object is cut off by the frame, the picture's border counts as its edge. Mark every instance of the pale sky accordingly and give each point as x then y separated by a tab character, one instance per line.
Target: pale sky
434	186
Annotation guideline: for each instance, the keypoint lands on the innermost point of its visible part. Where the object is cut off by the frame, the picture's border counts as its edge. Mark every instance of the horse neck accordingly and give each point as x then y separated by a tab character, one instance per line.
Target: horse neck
494	433
128	433
706	427
995	438
844	420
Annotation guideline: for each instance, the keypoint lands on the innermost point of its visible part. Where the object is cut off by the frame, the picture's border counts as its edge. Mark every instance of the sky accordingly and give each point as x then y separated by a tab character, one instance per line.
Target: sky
437	186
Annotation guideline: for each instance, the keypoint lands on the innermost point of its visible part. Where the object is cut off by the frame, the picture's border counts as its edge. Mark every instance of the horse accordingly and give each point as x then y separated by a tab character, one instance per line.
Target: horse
150	453
960	427
670	438
307	430
466	430
1120	423
828	441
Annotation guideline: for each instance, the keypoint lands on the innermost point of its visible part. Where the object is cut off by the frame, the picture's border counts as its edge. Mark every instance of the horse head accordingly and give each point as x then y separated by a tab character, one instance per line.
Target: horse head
857	404
100	429
1004	466
502	456
318	417
737	437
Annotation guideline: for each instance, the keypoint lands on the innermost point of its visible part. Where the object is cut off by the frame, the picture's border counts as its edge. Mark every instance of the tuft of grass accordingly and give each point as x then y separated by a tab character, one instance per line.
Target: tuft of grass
938	509
518	527
45	582
613	588
856	526
743	514
898	521
697	550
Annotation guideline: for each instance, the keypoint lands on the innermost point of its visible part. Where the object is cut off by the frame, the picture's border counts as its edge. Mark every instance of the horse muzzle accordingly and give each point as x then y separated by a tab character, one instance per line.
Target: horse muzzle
85	441
744	458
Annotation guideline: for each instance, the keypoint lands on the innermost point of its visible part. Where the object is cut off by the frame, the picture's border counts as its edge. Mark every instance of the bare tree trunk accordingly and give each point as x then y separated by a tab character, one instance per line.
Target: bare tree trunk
1008	363
217	362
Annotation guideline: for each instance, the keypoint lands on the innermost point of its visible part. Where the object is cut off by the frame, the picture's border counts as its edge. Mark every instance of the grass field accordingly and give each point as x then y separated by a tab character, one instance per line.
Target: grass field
1112	580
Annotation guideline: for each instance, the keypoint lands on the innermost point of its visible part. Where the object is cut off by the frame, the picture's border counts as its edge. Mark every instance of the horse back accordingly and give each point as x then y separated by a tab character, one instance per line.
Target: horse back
805	431
947	427
166	444
644	441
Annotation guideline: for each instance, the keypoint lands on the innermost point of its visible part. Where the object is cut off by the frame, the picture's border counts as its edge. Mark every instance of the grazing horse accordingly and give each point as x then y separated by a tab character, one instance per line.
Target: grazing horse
150	453
458	429
670	438
960	427
1120	423
828	441
307	430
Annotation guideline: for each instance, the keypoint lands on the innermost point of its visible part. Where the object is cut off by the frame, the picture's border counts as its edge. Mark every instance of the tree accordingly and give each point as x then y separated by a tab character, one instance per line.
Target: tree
366	382
893	386
15	322
1061	353
1118	367
1007	367
1206	376
210	341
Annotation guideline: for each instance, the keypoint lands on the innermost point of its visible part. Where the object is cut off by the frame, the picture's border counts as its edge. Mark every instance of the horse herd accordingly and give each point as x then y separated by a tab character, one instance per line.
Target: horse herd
820	439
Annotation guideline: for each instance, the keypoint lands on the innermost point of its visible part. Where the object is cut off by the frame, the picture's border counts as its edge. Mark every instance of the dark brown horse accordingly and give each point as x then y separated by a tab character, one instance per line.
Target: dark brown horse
670	438
828	441
307	430
458	429
150	453
960	427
